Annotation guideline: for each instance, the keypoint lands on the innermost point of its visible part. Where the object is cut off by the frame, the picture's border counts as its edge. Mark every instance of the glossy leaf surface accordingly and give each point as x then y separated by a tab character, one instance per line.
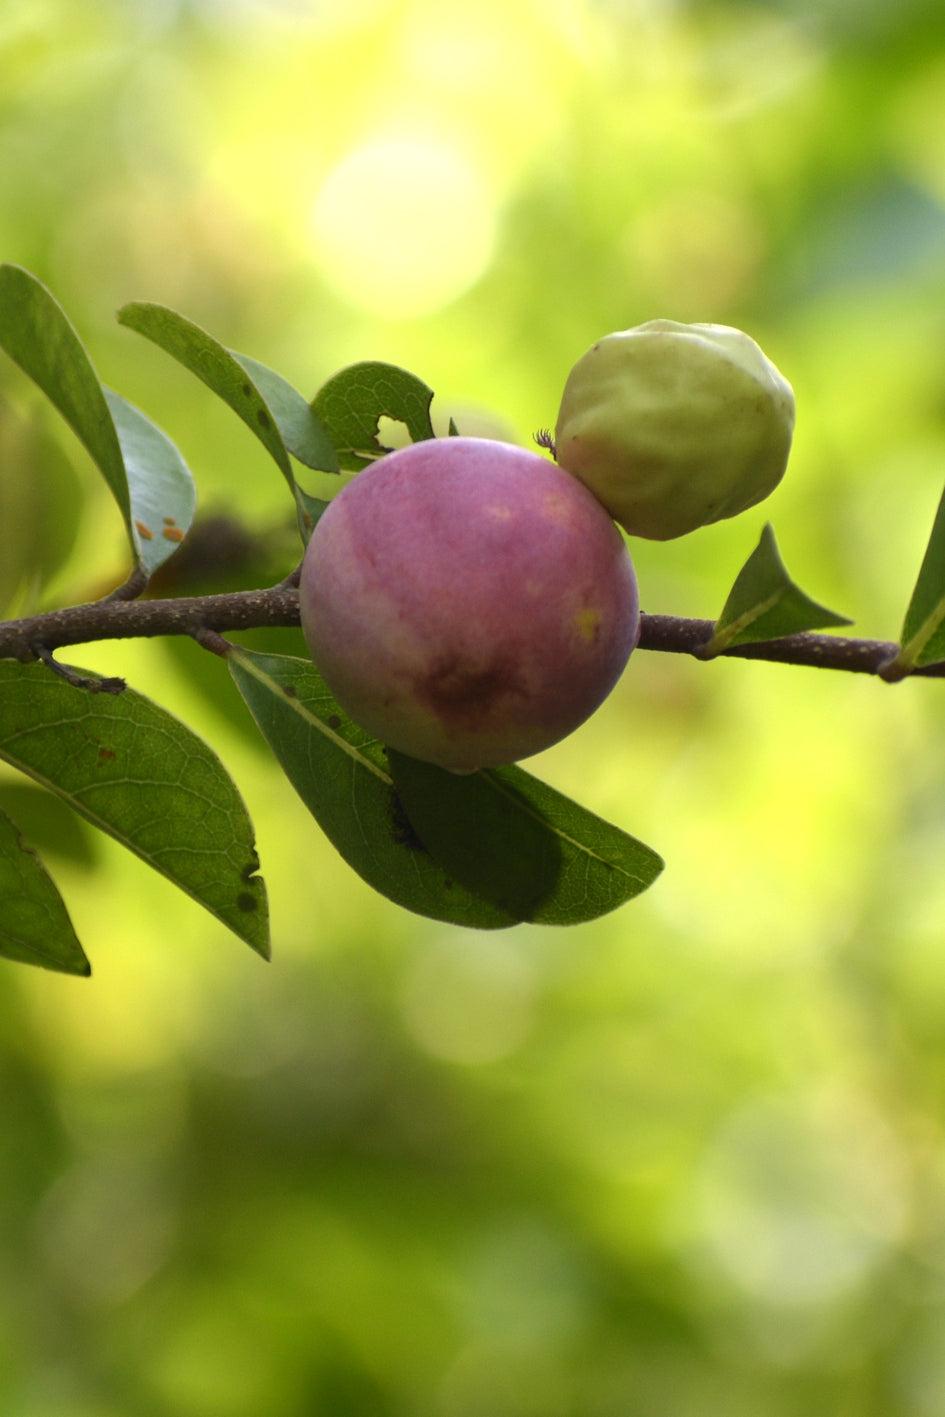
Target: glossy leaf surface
163	496
142	776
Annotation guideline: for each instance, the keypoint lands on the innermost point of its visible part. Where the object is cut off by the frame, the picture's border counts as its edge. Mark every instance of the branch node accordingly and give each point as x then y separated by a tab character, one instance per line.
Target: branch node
291	581
136	583
211	640
893	671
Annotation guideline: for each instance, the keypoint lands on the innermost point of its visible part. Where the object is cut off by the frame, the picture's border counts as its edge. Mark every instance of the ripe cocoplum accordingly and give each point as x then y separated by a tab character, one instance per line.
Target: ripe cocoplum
468	602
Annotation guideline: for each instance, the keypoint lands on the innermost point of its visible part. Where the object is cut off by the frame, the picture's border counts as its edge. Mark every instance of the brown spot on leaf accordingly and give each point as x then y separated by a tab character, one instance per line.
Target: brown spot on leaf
144	531
173	533
247	902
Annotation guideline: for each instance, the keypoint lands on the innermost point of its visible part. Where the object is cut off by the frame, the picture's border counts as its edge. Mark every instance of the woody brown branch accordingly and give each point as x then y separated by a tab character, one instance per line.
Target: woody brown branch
135	619
279	606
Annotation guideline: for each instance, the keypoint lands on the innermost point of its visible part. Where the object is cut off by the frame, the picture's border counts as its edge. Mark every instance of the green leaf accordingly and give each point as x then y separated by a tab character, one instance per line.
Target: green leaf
342	776
486	850
220	370
34	924
233	379
49	824
36	333
302	431
144	470
765	604
163	496
923	630
142	776
310	509
353	401
517	842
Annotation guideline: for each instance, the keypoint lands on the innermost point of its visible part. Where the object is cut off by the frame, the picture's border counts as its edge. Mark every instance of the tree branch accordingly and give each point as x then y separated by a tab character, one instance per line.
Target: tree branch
206	617
679	636
133	619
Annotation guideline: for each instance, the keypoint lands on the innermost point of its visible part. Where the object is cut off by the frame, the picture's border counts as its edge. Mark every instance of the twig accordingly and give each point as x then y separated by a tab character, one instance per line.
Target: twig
679	636
133	619
93	684
206	617
135	585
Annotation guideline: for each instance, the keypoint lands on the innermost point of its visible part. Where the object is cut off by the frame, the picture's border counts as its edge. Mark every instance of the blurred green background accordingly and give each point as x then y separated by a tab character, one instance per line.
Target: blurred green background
688	1161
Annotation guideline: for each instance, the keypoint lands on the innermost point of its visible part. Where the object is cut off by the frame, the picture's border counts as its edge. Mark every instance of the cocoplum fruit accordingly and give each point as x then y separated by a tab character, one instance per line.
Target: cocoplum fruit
468	602
675	426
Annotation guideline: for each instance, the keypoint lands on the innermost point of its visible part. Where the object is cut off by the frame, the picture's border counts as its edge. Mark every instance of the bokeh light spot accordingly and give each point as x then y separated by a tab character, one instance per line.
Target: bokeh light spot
802	1198
402	226
469	1005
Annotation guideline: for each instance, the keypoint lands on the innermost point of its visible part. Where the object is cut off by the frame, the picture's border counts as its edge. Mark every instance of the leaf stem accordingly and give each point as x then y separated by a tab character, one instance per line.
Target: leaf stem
135	585
94	685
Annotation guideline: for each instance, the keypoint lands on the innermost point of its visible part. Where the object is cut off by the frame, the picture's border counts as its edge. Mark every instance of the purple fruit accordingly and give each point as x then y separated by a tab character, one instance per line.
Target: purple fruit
468	602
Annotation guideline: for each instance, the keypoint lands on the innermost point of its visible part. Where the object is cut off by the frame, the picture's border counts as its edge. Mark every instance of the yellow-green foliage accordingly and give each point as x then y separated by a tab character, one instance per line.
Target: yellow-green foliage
687	1160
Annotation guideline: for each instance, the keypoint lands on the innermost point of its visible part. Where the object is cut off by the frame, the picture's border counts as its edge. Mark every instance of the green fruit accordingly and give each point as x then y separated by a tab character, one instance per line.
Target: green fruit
675	426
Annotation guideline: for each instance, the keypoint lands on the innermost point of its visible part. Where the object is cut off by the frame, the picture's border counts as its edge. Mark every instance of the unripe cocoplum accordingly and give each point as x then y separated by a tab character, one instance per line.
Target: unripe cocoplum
468	602
675	426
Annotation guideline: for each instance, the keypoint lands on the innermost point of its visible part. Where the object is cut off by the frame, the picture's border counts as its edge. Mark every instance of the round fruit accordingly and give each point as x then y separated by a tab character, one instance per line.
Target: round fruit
467	602
675	426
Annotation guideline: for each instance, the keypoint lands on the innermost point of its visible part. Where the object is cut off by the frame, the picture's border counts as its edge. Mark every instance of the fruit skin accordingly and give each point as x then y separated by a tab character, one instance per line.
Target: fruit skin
675	426
467	602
